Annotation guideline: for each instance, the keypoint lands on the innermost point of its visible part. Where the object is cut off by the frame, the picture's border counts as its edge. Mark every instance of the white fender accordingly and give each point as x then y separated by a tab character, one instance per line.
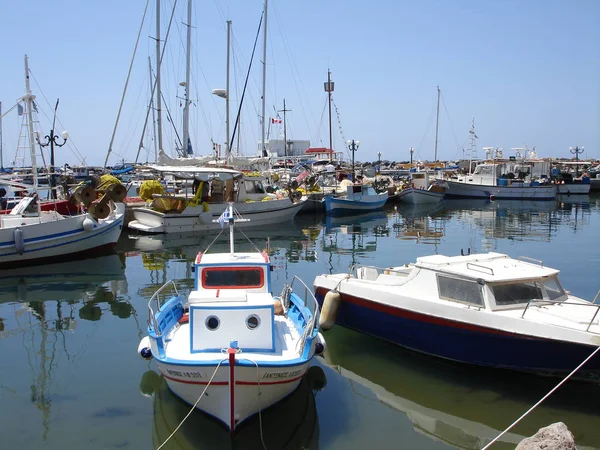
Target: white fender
19	241
144	346
331	304
88	224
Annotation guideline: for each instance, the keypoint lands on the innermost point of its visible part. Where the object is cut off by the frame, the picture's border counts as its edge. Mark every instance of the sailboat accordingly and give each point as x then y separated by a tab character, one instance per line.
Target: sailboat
420	189
30	236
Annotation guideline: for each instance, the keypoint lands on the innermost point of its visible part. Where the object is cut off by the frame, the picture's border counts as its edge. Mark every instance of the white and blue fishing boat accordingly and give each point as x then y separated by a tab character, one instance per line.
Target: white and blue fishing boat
230	347
359	198
485	309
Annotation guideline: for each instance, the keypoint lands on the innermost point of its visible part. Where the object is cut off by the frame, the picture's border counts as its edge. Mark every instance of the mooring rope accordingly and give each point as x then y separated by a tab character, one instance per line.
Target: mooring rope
193	407
259	394
543	398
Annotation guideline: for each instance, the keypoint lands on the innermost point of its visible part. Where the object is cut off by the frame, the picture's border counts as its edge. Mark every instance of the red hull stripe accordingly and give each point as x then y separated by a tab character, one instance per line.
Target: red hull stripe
410	315
240	383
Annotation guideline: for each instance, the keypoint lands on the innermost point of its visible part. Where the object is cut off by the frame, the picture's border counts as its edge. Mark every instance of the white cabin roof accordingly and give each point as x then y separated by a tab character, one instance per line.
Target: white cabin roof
491	267
228	258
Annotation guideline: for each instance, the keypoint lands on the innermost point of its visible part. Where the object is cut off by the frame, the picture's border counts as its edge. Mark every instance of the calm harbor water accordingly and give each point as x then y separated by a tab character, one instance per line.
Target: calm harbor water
70	376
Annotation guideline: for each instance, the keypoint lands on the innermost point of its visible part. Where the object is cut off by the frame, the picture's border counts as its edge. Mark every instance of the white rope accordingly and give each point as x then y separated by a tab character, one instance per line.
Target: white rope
543	398
193	407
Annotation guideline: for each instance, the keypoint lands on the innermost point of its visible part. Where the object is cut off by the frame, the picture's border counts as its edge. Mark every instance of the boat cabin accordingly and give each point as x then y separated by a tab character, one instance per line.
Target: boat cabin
354	192
242	281
492	281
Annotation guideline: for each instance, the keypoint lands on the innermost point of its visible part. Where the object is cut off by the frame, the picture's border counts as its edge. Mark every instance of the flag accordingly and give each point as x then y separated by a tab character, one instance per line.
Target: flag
190	150
224	217
275	120
20	109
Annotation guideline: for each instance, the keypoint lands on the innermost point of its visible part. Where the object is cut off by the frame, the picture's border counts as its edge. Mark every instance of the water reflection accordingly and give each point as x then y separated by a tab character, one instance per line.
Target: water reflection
460	405
290	424
422	223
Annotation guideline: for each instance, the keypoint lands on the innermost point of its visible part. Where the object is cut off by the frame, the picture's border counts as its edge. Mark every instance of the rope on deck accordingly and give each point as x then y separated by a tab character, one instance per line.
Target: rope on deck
543	398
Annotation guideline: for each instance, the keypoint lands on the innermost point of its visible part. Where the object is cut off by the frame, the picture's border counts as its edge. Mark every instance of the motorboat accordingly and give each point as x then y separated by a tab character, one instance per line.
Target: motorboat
230	348
217	187
487	309
359	198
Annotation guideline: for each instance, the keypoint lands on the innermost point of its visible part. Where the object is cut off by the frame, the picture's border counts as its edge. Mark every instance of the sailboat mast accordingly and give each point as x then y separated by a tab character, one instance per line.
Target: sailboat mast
158	90
1	149
437	121
28	98
227	137
153	112
284	133
186	106
264	79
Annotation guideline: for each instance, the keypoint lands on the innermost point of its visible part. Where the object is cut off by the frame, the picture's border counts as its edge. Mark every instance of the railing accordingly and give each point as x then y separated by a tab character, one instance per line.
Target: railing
387	270
313	307
532	260
540	303
156	297
479	267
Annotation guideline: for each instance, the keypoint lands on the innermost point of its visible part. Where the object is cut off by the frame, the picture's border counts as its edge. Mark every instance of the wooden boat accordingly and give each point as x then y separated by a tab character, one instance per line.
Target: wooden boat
359	198
421	190
485	309
231	348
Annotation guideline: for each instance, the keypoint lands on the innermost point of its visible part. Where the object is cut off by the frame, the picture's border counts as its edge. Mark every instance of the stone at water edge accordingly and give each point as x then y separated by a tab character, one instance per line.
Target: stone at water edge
553	437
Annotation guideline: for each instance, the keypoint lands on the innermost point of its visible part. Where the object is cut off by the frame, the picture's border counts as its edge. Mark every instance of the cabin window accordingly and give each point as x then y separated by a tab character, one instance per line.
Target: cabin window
252	322
460	290
516	293
553	289
232	277
212	323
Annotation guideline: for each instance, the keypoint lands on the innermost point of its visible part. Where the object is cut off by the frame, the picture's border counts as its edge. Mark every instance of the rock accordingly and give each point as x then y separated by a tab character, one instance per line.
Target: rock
553	437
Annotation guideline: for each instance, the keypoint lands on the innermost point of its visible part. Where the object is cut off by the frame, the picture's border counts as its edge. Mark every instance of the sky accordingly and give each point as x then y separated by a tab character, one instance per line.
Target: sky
527	72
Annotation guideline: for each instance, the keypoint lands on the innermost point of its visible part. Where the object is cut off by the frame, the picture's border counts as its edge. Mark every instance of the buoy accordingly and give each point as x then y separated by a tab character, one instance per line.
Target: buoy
320	344
88	224
19	241
144	348
329	310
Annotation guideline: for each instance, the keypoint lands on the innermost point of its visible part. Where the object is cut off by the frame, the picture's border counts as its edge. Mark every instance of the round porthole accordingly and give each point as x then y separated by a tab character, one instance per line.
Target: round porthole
252	322
212	323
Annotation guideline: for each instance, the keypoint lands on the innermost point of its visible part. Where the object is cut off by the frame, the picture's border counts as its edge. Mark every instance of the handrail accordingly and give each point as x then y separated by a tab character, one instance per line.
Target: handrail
527	259
560	302
478	267
355	267
596	297
152	316
308	294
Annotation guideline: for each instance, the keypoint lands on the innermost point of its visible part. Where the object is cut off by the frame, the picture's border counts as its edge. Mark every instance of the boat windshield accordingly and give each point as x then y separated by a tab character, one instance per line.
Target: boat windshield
232	278
553	289
516	293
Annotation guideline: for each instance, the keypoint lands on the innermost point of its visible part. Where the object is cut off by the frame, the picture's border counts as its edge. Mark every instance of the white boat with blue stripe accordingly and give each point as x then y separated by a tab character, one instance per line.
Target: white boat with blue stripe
359	198
230	348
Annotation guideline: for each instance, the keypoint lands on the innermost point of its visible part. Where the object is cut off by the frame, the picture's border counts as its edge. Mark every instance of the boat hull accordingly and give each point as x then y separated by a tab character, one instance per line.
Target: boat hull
468	190
254	388
419	196
460	341
574	189
194	218
59	240
341	206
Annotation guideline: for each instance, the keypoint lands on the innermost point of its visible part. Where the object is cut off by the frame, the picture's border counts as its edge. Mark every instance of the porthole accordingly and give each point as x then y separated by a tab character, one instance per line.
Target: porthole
212	323
252	322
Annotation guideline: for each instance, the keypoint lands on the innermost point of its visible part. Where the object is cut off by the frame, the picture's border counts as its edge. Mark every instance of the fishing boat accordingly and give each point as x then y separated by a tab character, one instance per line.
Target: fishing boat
217	186
31	236
359	198
486	309
420	190
230	347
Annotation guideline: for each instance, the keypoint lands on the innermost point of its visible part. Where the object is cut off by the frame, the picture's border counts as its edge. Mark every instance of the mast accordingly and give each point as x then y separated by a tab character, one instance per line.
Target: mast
264	80
158	99
437	121
1	149
153	112
227	137
471	144
285	153
28	98
187	145
329	89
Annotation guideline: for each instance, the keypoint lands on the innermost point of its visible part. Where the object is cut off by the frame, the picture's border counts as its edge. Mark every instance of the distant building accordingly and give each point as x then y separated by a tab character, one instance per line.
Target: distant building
276	147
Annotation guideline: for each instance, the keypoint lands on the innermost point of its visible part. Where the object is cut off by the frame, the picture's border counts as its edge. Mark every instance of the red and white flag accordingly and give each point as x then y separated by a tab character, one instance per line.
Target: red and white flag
274	120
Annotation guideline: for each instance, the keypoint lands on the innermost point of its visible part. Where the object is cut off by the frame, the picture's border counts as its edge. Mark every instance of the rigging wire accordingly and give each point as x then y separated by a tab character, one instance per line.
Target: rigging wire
337	113
450	122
